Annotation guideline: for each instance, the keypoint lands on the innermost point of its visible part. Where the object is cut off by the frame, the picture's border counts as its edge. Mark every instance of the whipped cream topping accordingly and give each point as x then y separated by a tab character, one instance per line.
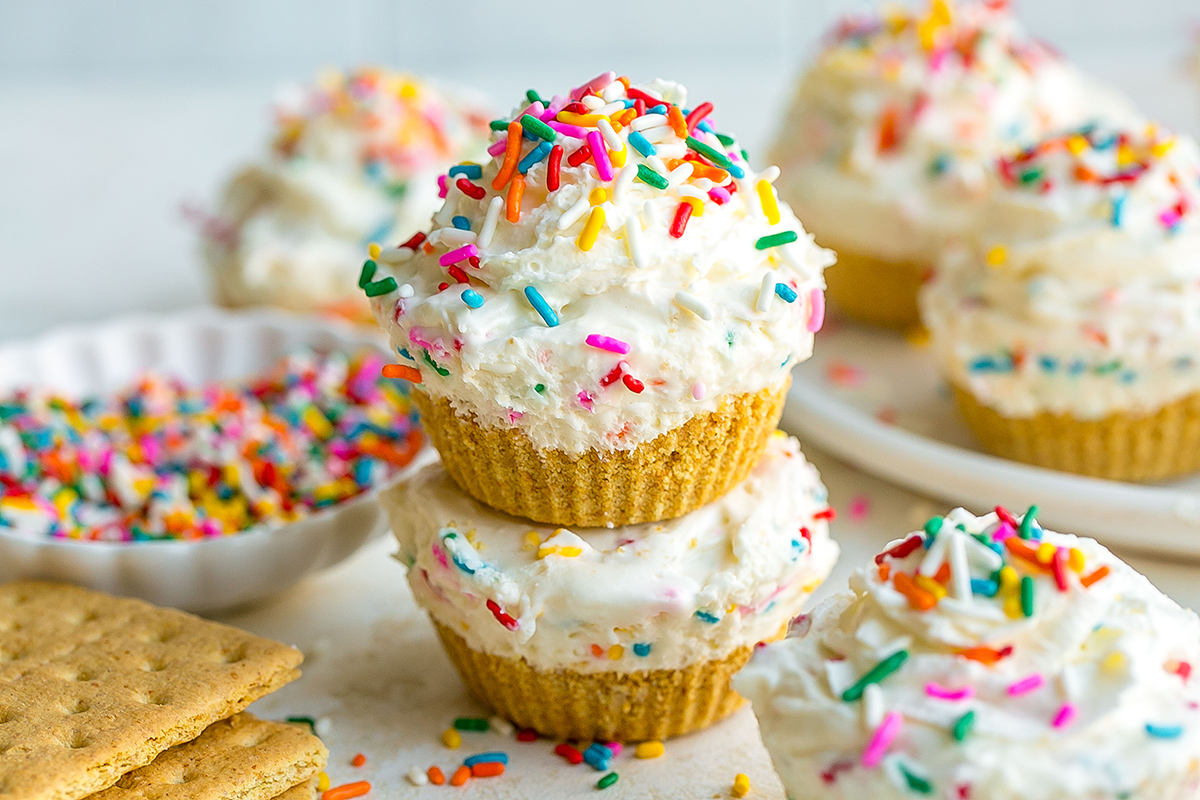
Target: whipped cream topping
616	269
1081	293
654	596
890	134
985	658
354	159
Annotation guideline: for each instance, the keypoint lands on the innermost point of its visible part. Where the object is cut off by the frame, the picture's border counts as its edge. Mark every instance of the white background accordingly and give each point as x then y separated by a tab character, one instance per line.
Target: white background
114	112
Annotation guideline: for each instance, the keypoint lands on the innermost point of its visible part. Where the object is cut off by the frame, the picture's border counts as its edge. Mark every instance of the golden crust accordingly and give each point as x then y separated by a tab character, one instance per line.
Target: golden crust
876	291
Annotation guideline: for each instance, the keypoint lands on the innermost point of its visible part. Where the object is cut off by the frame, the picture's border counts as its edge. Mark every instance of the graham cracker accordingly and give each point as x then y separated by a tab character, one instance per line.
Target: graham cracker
93	687
240	758
874	290
666	477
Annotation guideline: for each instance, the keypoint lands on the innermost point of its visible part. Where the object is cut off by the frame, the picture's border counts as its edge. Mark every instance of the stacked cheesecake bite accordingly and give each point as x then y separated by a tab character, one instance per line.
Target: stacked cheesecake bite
601	324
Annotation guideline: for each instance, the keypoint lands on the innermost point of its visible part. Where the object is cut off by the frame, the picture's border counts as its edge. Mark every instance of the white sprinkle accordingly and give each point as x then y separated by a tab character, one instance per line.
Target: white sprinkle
613	91
610	136
416	777
691	191
623	182
693	304
960	573
766	293
591	101
659	135
648	121
657	164
791	257
703	184
323	726
934	557
497	367
671	150
769	174
500	725
489	222
574	213
699	390
872	706
633	240
395	255
610	109
405	290
444	215
982	556
680	174
649	214
453	237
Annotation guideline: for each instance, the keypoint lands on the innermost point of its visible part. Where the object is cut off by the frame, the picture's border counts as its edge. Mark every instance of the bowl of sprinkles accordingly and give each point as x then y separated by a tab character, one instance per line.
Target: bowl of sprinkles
202	460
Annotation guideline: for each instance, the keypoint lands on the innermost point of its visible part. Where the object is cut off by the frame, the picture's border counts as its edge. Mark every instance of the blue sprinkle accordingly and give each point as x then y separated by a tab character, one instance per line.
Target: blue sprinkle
626	102
458	563
1048	363
786	292
707	617
486	758
1164	731
472	172
940	164
1077	368
1128	377
461	222
984	587
799	545
533	157
472	298
661	108
404	352
989	364
362	472
1118	207
541	306
597	757
736	171
641	649
642	144
704	126
1184	362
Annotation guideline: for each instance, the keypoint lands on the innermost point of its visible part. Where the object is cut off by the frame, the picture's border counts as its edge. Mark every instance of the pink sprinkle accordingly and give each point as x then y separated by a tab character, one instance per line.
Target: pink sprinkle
942	693
845	375
586	400
566	129
607	343
882	739
1026	685
1169	218
497	148
860	507
720	195
533	110
556	103
816	314
600	155
595	84
1005	531
440	555
699	390
443	187
461	254
548	114
615	748
1065	716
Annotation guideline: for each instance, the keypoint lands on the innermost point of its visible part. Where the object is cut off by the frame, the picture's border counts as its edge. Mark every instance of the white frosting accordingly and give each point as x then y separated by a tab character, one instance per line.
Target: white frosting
890	133
1090	303
1109	653
698	315
654	596
355	160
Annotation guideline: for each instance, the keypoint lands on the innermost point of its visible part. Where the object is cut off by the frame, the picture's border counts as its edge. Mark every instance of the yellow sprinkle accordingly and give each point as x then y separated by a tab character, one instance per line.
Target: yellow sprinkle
615	652
696	203
741	785
592	229
532	541
1125	155
1045	552
930	585
569	552
1077	144
1113	662
997	256
649	750
1012	607
451	738
598	195
1160	149
582	120
1075	559
766	196
318	422
322	782
1009	580
546	551
617	157
373	250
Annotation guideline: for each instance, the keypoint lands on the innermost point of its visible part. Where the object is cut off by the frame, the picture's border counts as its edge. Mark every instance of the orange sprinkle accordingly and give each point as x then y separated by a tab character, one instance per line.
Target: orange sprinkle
884	571
347	790
402	371
512	154
699	170
459	778
677	122
624	82
1024	551
435	776
597	651
984	655
918	598
1097	576
358	760
943	573
516	190
429	249
488	769
623	118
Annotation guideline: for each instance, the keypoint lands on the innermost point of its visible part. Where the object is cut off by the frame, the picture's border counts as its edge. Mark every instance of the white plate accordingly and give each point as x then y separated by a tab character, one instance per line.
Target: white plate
196	346
873	399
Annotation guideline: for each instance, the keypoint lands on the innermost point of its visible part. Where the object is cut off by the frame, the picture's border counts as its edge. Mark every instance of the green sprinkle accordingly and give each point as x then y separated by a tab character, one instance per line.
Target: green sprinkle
916	782
962	728
725	139
1031	176
875	675
1026	531
470	724
368	273
1027	595
498	124
533	97
709	152
437	367
309	721
1107	367
647	175
934	525
538	128
607	781
745	155
541	387
776	239
385	286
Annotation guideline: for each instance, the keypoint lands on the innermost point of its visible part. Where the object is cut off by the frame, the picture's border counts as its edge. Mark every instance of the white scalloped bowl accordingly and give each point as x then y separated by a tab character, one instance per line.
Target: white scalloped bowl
197	346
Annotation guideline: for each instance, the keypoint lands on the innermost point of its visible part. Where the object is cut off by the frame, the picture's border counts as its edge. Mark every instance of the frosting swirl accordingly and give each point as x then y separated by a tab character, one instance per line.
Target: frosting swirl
971	661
